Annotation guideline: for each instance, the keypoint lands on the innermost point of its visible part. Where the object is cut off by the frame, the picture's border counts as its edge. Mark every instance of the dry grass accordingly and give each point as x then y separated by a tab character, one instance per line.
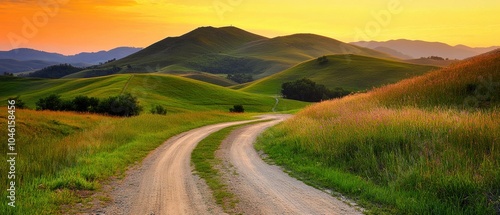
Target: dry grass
435	136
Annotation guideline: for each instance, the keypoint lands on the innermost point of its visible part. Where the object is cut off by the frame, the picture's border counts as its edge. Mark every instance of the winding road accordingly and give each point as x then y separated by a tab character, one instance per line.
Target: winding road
164	182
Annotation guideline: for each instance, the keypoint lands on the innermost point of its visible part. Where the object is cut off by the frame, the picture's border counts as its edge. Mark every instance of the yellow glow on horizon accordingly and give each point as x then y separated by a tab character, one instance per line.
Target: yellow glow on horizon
74	26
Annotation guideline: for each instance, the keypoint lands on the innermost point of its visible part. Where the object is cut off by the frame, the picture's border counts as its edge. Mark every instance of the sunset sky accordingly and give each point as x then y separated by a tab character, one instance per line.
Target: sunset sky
73	26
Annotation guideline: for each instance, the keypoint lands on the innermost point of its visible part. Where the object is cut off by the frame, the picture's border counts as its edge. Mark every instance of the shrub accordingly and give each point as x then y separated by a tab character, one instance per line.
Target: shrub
85	104
307	90
52	102
158	109
19	103
122	105
237	109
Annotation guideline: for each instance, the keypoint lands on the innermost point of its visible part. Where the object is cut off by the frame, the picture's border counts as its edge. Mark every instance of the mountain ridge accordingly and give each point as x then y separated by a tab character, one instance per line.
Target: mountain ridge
419	48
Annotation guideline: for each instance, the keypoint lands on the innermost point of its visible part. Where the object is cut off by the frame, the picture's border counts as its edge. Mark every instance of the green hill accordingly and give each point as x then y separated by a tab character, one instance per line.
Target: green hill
425	145
351	72
228	50
178	94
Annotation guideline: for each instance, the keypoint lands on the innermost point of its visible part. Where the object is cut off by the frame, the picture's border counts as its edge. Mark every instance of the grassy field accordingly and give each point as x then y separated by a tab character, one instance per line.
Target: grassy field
64	156
177	94
205	163
426	145
351	72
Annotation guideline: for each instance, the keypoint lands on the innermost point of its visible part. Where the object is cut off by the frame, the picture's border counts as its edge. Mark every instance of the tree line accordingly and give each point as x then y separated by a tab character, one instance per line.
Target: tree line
307	90
123	105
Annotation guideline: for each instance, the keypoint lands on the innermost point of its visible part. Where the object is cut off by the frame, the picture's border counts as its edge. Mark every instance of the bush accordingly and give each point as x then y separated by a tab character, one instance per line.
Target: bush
158	109
19	103
237	109
122	105
52	102
307	90
322	60
85	104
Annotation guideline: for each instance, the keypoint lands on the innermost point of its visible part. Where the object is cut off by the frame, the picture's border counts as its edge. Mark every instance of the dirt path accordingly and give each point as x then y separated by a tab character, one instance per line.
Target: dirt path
164	183
265	189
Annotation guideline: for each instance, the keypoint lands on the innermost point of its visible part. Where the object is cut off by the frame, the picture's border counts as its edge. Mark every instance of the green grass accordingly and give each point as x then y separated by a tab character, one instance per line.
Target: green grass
416	147
210	78
351	72
62	155
177	94
205	163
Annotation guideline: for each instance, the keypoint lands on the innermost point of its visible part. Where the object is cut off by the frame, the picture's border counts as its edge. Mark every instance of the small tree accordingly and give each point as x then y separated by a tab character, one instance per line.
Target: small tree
322	60
158	109
122	105
237	109
52	102
20	104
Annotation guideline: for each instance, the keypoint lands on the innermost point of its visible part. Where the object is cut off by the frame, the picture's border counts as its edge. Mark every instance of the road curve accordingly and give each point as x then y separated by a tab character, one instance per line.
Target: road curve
164	183
266	189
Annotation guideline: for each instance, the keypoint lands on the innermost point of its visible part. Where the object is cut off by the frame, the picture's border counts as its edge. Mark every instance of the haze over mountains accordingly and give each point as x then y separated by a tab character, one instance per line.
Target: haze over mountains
411	49
23	59
229	50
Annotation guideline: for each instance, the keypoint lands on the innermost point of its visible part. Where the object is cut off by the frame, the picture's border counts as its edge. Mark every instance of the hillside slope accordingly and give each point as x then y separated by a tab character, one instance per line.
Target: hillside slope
229	50
425	145
351	72
178	94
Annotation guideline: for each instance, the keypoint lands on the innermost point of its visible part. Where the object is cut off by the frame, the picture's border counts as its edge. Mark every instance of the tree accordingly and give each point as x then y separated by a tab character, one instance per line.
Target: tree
237	109
322	60
20	104
307	90
51	102
158	109
122	105
85	104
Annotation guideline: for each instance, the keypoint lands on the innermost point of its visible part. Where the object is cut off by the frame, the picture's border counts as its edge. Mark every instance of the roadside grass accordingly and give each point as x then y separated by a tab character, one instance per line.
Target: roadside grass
415	147
62	156
205	163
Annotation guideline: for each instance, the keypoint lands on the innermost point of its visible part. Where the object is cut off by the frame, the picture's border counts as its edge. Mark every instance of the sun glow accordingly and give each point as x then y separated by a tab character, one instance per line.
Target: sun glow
72	26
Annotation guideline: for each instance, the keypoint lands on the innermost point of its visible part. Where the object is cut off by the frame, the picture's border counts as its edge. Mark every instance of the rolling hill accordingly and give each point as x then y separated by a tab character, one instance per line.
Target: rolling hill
228	50
351	72
178	94
425	145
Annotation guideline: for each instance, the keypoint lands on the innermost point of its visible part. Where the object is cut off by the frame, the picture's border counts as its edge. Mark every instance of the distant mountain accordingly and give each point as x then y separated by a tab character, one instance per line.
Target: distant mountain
392	52
232	50
23	59
15	66
25	54
103	56
418	48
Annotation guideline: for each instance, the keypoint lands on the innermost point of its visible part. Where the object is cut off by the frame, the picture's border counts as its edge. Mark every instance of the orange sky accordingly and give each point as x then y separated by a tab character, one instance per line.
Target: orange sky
73	26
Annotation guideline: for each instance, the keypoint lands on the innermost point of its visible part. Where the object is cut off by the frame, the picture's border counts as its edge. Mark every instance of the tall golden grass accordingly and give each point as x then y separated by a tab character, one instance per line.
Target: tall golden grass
419	135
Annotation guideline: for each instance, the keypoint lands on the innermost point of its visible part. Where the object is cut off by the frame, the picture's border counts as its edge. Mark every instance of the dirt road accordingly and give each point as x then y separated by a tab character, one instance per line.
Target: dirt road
265	189
164	183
